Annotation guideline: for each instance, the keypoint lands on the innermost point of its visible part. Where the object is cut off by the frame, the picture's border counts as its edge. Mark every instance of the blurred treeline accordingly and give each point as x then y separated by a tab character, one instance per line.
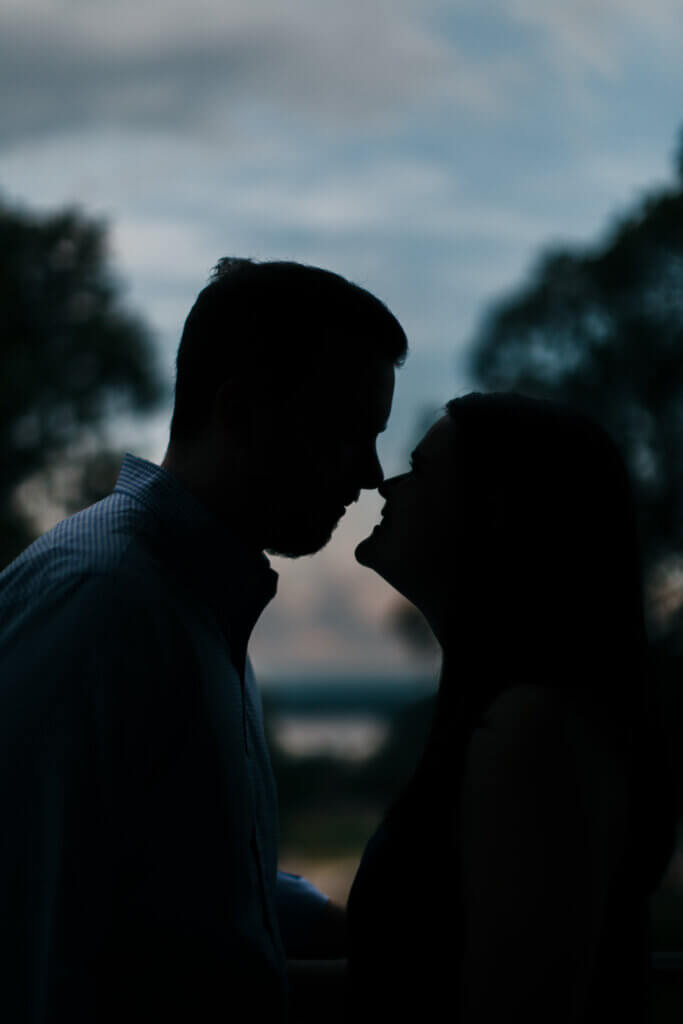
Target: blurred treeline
601	328
73	358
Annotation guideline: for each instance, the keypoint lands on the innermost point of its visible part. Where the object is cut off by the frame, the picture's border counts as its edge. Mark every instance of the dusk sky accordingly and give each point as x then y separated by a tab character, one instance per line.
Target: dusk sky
428	151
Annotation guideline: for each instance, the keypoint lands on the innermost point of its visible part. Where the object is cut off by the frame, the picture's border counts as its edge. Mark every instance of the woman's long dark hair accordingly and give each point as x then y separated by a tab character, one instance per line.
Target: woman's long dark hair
547	589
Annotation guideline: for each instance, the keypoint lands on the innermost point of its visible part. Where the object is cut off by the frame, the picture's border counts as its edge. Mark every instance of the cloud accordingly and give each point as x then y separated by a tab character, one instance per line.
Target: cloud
198	66
242	71
601	38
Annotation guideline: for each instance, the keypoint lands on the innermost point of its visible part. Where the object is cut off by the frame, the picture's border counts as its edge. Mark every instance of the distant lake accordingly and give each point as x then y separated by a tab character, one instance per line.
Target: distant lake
379	695
345	718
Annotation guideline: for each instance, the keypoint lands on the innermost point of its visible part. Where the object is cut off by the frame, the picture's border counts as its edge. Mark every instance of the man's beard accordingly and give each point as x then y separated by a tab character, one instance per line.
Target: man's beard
303	535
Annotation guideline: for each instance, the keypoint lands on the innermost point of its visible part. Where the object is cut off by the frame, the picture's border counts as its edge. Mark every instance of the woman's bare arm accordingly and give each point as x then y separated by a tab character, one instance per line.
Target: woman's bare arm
542	820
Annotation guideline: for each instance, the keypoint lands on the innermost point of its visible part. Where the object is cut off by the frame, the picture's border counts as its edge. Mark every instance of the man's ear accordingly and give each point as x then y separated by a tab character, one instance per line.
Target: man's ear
232	415
247	419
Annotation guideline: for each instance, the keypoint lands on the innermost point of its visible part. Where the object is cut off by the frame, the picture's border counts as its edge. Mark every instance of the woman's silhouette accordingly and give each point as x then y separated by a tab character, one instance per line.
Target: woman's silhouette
511	878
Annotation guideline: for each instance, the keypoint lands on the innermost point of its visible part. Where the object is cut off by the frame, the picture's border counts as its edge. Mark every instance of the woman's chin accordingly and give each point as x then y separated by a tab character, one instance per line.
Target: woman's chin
373	554
365	552
369	551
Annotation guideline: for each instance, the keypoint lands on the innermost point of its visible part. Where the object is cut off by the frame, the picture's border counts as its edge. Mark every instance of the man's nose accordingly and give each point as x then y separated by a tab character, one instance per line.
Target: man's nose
386	486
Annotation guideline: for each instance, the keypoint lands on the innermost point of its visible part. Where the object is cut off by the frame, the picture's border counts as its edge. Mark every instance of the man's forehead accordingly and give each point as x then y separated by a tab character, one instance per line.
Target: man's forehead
367	393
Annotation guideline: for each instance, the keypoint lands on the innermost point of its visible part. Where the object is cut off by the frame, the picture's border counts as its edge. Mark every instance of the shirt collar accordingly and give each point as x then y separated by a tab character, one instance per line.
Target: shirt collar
237	581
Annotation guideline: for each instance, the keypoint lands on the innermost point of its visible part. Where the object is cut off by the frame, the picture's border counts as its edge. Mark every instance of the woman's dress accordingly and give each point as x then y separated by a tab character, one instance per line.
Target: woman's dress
406	912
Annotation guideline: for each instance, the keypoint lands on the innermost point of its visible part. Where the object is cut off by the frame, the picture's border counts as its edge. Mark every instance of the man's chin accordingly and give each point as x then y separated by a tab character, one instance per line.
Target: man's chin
298	544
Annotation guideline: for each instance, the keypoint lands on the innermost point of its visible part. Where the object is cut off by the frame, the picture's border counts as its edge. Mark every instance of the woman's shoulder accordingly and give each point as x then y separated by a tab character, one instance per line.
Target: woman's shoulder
545	714
531	732
515	735
525	706
529	703
527	721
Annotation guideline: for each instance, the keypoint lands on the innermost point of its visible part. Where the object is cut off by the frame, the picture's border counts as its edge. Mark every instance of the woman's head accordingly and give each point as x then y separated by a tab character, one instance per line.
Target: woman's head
412	545
515	527
515	534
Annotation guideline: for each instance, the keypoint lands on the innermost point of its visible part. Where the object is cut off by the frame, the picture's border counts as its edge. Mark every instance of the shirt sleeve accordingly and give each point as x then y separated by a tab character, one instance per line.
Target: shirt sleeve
299	909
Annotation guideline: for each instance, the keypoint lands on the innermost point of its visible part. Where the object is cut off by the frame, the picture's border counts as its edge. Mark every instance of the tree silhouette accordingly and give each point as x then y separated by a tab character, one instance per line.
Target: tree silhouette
72	358
602	329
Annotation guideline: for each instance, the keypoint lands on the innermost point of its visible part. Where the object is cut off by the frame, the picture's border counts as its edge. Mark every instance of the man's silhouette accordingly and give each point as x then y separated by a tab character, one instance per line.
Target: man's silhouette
139	817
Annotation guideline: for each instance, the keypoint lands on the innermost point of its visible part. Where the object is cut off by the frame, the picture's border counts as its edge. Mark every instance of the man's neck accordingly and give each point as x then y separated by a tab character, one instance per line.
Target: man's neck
222	497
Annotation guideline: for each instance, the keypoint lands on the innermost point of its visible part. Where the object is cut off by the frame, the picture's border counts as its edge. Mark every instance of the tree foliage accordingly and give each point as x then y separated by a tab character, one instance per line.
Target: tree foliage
602	329
72	358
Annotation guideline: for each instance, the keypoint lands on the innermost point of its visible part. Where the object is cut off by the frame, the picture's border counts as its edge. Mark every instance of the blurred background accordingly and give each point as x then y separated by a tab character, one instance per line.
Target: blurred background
507	177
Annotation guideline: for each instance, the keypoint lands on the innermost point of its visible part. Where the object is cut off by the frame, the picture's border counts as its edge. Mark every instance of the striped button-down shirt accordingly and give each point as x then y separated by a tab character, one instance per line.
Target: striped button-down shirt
139	816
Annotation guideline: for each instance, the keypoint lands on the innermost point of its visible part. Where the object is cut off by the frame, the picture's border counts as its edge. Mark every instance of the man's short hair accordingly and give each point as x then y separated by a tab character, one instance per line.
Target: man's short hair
275	321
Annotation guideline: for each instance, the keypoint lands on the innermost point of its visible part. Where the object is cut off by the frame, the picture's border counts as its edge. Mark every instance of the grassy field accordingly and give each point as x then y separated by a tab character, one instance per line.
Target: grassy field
326	846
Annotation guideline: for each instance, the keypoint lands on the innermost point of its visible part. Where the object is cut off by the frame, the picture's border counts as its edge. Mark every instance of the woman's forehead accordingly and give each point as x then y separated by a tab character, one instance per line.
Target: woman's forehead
438	441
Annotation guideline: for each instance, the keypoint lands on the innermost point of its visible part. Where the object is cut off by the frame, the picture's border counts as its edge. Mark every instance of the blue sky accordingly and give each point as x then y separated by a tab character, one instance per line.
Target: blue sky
426	150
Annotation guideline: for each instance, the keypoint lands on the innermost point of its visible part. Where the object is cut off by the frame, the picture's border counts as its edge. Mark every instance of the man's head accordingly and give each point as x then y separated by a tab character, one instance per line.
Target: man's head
284	379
